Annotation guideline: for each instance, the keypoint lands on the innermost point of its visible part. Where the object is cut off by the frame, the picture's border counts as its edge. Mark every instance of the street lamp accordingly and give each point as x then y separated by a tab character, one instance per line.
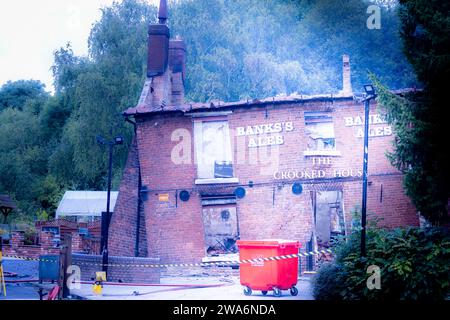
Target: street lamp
370	94
105	220
370	91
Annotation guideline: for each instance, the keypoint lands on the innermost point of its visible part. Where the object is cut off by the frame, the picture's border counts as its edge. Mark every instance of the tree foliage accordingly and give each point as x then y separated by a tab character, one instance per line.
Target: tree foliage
252	49
16	94
97	89
24	152
413	265
420	119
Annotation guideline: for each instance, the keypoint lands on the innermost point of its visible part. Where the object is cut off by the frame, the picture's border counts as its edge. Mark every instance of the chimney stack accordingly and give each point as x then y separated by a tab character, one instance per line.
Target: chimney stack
162	13
165	66
158	43
346	76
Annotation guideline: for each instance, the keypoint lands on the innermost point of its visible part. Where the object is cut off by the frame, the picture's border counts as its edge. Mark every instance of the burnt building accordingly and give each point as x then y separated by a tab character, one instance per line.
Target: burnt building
199	176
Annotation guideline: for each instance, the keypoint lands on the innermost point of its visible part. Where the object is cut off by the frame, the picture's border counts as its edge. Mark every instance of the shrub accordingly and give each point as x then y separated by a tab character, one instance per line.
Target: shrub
29	235
414	265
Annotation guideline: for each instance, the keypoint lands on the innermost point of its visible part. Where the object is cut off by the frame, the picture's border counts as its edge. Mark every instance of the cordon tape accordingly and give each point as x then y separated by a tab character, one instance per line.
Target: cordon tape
202	264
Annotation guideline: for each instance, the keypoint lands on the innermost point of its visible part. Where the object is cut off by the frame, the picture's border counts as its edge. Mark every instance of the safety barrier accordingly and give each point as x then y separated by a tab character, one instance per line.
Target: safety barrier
201	264
2	276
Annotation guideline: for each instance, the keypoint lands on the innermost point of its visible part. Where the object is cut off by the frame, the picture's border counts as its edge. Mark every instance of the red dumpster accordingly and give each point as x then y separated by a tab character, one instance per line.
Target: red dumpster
273	275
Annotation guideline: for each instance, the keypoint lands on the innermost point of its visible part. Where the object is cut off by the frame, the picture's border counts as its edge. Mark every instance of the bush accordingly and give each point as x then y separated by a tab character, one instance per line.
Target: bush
29	237
414	265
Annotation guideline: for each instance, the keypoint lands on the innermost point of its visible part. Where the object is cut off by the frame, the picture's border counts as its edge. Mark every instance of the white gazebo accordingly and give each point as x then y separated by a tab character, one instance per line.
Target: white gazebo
84	206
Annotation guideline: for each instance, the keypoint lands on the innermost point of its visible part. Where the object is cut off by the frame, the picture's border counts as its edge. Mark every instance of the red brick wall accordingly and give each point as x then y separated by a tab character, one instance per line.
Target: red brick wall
174	229
89	264
390	206
17	248
269	209
291	152
122	237
22	251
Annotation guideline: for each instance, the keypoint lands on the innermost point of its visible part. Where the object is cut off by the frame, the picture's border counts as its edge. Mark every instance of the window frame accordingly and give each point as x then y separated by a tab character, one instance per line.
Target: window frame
198	144
327	118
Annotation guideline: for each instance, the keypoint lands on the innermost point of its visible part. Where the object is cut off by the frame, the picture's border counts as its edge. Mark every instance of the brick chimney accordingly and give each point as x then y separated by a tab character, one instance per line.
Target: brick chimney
177	63
165	66
346	76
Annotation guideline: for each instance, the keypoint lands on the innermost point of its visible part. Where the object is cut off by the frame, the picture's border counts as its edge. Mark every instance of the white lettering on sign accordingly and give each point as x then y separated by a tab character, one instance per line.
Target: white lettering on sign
379	131
265	141
317	174
321	161
267	138
375	132
359	121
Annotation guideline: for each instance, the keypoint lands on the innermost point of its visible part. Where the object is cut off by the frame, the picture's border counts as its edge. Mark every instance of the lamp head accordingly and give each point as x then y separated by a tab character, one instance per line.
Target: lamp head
369	89
118	140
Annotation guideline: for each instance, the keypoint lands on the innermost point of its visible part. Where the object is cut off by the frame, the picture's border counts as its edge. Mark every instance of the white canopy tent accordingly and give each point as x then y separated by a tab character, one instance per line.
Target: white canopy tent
85	205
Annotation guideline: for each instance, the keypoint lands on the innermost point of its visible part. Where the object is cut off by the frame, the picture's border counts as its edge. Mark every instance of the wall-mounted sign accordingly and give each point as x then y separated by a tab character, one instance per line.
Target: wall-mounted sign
163	197
374	131
265	134
317	174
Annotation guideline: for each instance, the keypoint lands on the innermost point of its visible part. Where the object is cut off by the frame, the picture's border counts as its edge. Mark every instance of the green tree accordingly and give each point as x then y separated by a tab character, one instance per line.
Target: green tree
23	156
420	119
296	46
94	91
16	94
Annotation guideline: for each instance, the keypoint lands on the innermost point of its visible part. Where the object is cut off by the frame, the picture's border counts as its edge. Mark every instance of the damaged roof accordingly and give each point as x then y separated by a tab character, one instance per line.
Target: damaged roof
143	108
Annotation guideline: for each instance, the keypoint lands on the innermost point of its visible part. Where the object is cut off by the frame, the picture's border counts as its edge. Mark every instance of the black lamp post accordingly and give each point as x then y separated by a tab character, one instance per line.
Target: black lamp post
370	94
106	219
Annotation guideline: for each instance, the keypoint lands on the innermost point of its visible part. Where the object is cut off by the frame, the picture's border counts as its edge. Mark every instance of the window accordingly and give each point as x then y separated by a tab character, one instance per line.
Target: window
319	128
213	149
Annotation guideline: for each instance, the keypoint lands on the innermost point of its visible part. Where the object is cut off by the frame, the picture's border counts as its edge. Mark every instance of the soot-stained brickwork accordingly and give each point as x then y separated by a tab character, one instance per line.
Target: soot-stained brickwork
175	230
314	141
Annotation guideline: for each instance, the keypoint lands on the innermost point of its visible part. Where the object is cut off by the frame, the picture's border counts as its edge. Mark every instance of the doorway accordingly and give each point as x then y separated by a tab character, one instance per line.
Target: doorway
329	217
221	229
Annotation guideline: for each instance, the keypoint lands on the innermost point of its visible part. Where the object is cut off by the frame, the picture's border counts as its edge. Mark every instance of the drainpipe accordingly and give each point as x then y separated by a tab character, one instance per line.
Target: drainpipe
139	201
138	219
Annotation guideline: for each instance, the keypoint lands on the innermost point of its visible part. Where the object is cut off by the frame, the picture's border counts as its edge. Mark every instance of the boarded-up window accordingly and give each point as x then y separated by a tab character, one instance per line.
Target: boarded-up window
319	128
213	149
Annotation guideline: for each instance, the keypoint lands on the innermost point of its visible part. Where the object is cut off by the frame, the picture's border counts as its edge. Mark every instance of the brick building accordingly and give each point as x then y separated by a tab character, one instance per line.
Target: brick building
199	176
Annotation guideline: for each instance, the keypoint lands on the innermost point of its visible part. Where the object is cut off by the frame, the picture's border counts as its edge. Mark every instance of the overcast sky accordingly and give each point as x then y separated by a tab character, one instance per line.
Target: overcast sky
30	30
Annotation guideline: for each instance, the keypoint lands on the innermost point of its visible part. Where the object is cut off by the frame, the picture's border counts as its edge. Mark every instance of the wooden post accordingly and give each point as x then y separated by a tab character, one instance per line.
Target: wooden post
2	277
66	261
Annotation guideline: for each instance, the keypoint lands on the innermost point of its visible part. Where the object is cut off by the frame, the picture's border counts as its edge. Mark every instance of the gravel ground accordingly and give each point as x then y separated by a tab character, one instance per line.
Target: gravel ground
22	291
24	269
231	289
